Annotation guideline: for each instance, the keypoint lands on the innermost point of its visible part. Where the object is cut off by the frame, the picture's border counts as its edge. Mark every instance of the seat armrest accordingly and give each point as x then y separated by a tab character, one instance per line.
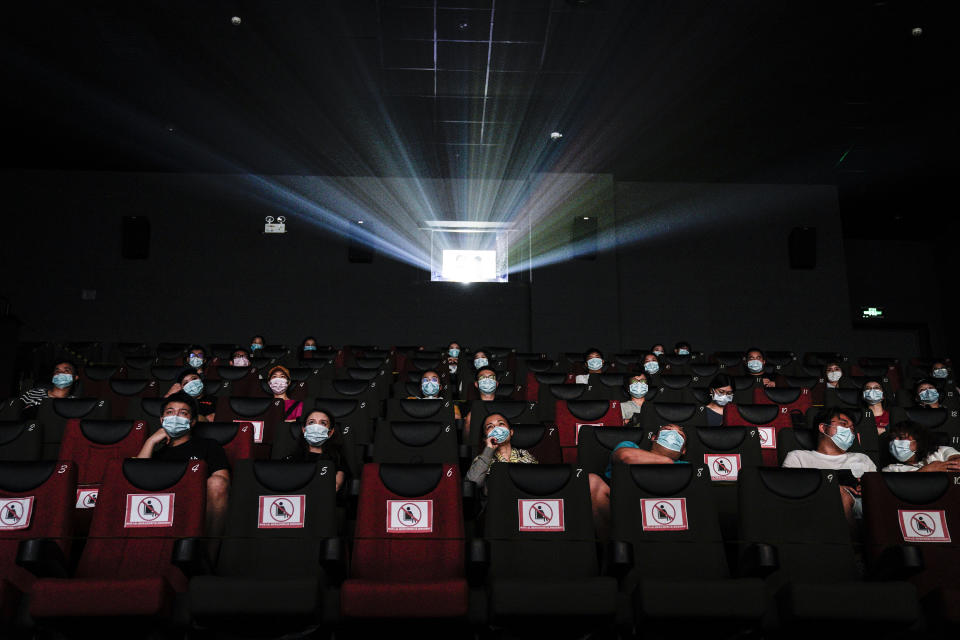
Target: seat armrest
42	557
758	560
618	558
190	555
368	452
898	562
478	561
334	560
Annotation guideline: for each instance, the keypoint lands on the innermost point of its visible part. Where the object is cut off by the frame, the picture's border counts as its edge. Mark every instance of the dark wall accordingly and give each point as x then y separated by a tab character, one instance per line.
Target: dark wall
707	263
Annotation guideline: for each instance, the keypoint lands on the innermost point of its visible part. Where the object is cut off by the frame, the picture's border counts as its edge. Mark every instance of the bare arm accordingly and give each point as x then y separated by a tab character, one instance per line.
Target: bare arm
146	451
639	456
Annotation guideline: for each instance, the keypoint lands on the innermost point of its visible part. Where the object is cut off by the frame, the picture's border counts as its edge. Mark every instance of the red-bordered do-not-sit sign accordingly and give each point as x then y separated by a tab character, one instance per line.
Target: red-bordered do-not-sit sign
541	514
281	512
409	516
15	513
924	526
149	510
664	514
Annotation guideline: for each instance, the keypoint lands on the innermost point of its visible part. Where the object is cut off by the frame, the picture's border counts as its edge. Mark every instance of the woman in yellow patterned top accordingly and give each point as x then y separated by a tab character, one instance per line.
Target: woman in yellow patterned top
498	449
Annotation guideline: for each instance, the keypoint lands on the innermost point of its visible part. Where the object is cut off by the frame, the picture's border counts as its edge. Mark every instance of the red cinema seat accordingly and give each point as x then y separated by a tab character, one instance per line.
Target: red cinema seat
768	420
573	414
236	438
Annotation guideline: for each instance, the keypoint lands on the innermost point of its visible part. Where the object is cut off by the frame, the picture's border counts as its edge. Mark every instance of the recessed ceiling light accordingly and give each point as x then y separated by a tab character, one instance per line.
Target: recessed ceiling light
359	221
235	21
463	25
586	217
916	32
556	135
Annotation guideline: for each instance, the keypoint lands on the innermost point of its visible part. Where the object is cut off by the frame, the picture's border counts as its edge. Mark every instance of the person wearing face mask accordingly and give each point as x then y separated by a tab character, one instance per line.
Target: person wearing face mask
197	358
318	443
926	394
667	447
63	383
651	367
942	378
452	359
480	360
191	383
497	448
486	385
240	358
174	442
256	345
721	394
912	448
682	348
833	374
836	436
278	379
638	387
756	364
593	359
657	350
308	348
874	403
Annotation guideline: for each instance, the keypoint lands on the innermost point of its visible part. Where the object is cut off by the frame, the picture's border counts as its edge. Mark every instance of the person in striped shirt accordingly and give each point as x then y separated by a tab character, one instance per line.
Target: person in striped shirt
63	383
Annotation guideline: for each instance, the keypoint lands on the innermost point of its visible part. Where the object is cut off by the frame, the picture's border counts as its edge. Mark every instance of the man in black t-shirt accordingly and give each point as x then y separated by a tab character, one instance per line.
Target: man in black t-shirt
174	441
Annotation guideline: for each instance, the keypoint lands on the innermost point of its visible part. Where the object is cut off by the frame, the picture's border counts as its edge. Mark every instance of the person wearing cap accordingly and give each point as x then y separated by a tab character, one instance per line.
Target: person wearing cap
190	382
278	379
498	449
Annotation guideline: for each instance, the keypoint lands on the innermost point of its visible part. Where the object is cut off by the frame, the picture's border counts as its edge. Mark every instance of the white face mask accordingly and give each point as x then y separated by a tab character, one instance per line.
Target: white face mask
278	385
722	399
242	361
833	376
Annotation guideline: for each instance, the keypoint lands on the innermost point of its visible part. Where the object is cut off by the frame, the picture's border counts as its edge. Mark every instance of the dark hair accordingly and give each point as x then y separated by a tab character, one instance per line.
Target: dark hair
495	413
187	372
643	357
181	396
760	351
426	371
722	380
586	354
920	381
635	374
197	347
653	345
682	344
73	365
304	342
925	442
332	446
487	368
827	415
254	337
240	349
883	402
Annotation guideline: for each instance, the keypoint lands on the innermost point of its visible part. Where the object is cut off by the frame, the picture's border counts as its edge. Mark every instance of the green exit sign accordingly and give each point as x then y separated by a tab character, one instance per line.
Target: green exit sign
871	313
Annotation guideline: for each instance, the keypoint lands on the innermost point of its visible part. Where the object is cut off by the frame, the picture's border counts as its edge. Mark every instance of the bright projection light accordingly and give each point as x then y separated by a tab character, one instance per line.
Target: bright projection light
556	135
460	265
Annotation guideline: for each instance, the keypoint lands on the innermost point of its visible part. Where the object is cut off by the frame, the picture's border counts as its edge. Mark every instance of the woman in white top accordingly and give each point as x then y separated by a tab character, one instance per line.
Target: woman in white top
913	449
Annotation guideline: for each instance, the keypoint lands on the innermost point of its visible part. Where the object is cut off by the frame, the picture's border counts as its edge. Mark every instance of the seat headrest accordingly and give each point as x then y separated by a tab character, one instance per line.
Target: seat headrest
611	379
300	374
609	437
675	411
588	409
212	387
553	378
728	358
849	397
780	358
362	375
526	436
795	484
567	391
138	362
509	409
101	371
274	351
675	381
153	475
704	370
661	479
721	438
339	407
75	407
152	406
17	477
806	382
129	387
105	431
821	358
369	363
874	371
422	409
411	480
249	407
422	364
917	488
380	353
926	416
758	413
10	430
220	432
807	438
626	358
165	373
675	359
232	373
539	479
540	366
279	475
416	434
350	387
783	395
742	383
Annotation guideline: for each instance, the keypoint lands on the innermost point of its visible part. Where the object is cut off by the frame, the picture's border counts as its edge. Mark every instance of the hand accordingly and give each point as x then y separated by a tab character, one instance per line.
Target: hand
174	388
491	443
853	490
952	465
158	436
767	382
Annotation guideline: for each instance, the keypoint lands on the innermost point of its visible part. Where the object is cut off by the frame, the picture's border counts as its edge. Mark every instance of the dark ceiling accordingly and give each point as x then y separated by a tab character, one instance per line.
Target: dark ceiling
732	90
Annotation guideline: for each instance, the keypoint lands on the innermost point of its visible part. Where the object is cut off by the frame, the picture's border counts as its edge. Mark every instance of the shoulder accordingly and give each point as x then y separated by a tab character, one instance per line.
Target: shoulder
795	458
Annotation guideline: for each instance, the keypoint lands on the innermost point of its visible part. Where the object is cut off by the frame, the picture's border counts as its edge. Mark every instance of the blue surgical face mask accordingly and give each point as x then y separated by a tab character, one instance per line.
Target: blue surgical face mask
940	373
594	364
499	434
195	361
487	385
175	426
254	346
480	362
316	434
929	396
651	367
873	396
430	387
900	449
310	347
843	438
723	399
453	352
62	380
194	388
658	352
683	352
670	439
755	366
639	389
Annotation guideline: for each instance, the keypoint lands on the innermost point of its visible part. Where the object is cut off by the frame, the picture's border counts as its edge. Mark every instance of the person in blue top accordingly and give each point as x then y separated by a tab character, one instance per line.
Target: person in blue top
667	447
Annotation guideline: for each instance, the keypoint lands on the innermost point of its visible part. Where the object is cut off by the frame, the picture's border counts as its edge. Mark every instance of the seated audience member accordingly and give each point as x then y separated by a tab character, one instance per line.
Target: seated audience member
453	354
486	385
453	367
497	448
939	370
63	383
197	358
638	386
240	358
668	446
174	441
832	373
190	382
650	364
926	394
913	448
429	385
480	359
682	348
657	349
308	348
256	344
278	379
318	429
721	394
756	364
593	359
836	435
875	403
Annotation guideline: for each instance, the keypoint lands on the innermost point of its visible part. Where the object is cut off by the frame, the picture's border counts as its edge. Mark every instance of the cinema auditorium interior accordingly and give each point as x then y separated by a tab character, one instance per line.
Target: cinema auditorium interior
482	319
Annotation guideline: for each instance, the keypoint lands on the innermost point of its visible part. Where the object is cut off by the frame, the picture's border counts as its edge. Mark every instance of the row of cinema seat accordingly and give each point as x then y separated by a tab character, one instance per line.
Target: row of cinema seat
286	562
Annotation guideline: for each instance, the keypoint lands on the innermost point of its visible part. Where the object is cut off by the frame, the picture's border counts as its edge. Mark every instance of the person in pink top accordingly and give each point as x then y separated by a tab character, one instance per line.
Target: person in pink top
279	382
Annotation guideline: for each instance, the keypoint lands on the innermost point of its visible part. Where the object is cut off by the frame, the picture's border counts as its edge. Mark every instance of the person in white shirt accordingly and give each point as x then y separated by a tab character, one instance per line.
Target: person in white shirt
593	358
913	449
835	438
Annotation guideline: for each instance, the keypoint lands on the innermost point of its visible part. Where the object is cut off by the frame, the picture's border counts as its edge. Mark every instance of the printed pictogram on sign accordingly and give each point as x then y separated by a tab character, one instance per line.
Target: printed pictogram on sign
924	526
149	510
87	497
664	514
257	429
281	511
723	467
768	437
409	516
541	515
15	513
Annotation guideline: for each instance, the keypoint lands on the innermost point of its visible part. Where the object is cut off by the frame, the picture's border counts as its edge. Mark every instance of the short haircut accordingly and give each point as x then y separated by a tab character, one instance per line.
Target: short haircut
586	354
829	414
683	344
197	347
488	368
189	371
925	441
760	351
73	365
722	380
183	397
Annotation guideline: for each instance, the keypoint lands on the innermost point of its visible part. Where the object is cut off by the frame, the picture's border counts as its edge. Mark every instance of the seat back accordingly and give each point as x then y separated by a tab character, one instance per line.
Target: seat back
515	411
236	438
767	419
655	415
407	410
415	442
125	395
573	414
542	441
265	414
53	414
20	440
93	444
597	443
725	451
